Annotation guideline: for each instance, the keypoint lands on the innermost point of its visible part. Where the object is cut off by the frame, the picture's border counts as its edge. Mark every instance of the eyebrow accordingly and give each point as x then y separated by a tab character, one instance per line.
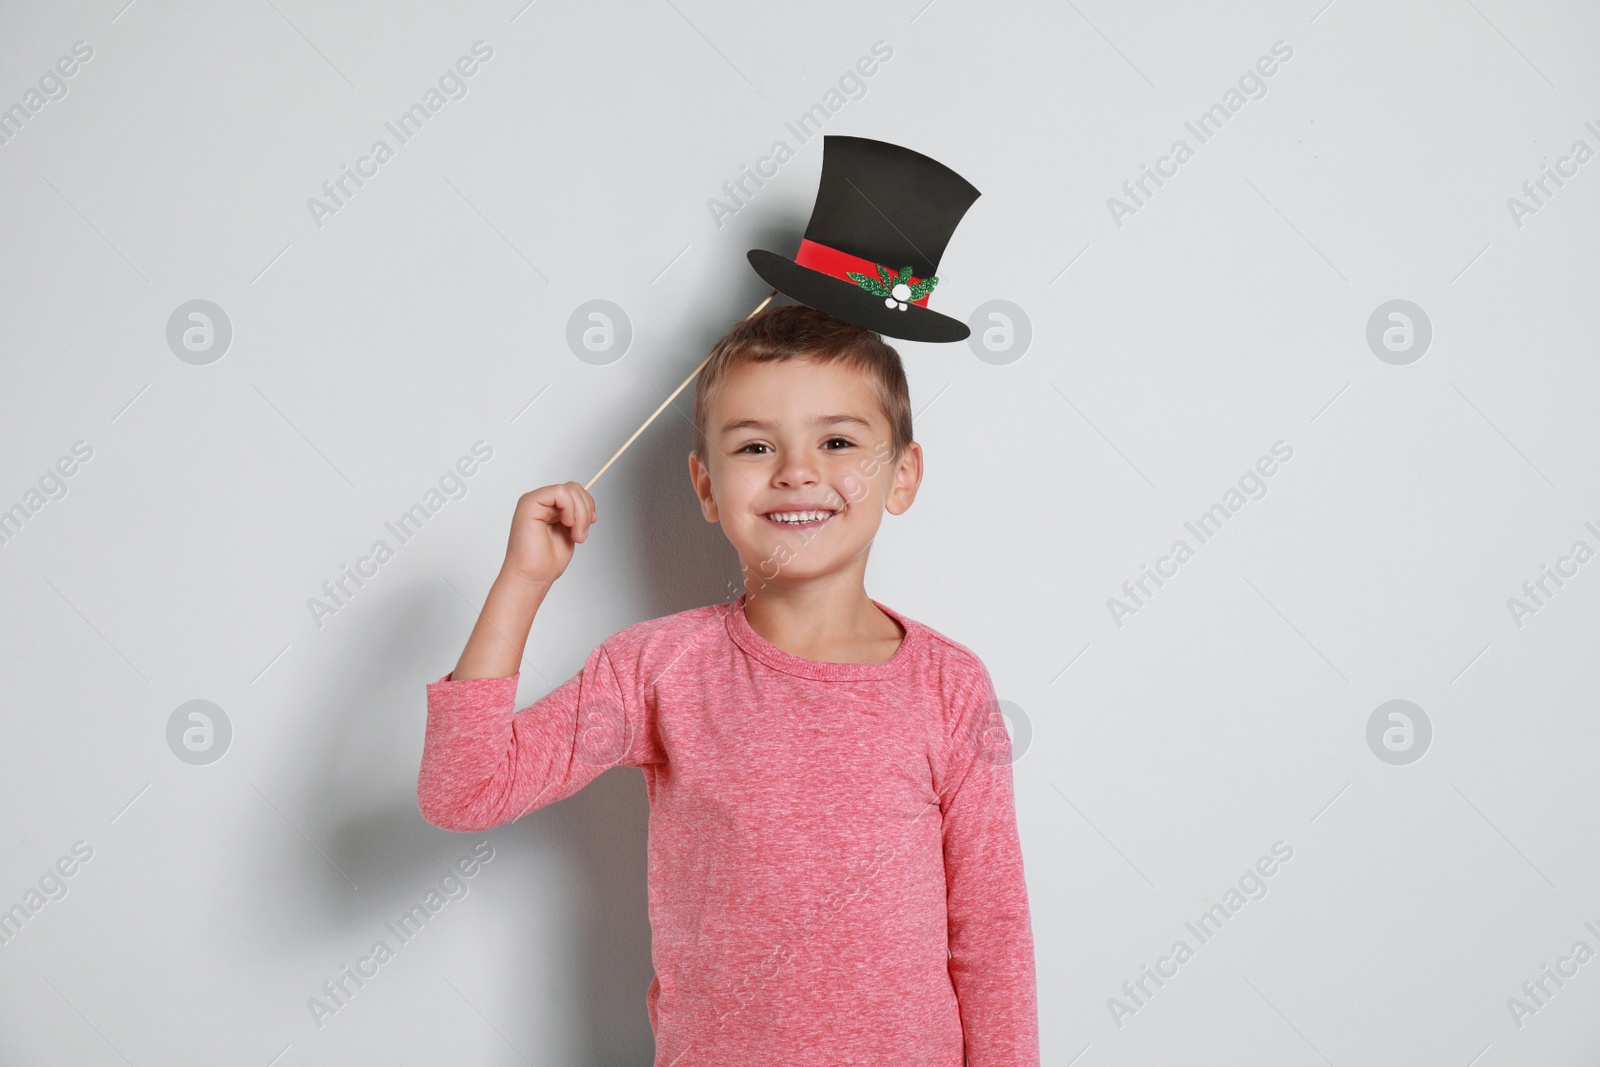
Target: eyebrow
820	420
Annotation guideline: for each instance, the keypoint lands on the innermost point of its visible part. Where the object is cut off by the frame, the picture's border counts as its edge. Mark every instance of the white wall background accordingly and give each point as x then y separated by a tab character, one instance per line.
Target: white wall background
1158	758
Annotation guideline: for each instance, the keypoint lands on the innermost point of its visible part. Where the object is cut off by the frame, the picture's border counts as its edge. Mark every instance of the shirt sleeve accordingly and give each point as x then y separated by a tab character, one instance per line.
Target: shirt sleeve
991	934
484	763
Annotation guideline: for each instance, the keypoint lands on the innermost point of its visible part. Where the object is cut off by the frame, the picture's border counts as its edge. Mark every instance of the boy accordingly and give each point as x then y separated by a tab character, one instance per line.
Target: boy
834	869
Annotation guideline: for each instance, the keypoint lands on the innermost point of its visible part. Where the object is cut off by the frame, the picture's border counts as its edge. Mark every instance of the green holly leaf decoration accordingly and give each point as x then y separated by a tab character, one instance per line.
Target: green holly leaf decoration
884	283
872	285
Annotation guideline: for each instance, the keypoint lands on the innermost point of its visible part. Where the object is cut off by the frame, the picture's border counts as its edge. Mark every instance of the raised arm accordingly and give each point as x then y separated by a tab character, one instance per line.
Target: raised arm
483	762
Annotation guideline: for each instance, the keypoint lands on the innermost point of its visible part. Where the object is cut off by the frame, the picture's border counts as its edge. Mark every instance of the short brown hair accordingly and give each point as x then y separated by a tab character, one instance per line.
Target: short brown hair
796	331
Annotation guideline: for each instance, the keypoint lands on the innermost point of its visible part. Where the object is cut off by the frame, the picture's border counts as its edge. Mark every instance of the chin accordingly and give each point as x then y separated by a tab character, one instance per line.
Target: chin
785	561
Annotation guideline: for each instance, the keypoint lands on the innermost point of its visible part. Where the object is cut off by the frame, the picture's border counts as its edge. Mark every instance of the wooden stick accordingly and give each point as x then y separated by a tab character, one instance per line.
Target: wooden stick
667	401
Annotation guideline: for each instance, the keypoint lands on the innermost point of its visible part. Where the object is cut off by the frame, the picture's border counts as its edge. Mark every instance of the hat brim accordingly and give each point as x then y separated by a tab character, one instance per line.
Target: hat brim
848	301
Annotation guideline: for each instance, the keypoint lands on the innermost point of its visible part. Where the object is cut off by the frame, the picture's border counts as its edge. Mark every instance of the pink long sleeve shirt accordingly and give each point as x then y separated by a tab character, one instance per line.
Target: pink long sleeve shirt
834	871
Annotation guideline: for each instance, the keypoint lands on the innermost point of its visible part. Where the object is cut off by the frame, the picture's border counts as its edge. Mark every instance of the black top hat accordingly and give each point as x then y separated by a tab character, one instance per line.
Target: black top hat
881	221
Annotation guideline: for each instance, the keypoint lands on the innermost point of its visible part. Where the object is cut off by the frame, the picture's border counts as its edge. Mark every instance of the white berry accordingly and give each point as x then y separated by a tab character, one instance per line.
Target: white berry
902	307
901	292
888	301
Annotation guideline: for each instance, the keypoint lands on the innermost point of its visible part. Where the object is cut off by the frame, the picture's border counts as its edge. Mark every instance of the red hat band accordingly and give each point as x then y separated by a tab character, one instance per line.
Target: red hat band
868	275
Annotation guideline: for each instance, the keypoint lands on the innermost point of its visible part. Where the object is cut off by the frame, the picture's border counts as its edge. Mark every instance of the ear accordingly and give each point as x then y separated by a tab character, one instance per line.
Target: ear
700	478
907	477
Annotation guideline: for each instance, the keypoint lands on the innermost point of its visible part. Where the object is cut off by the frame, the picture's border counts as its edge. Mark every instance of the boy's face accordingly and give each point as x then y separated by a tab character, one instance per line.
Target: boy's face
782	459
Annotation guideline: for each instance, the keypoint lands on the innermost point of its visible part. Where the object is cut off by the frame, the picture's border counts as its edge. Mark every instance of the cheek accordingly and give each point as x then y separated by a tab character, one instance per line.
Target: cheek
854	488
860	486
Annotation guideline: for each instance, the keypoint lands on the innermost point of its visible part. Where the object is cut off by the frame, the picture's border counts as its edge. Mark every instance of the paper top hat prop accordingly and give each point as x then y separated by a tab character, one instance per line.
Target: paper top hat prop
871	250
882	218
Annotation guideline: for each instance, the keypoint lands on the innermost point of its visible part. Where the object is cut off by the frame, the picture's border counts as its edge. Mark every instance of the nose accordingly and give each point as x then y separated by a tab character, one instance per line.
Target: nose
797	468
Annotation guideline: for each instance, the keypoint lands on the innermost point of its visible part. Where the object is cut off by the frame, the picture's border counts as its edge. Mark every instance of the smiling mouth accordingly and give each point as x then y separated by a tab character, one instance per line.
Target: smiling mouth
799	520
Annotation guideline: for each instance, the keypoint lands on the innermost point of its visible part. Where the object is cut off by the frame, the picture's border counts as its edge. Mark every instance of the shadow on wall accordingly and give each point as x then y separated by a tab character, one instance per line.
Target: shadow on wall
584	855
363	738
685	562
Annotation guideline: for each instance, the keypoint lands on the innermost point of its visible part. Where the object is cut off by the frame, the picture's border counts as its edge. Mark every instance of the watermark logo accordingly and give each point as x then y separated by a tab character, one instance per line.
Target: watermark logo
1399	732
737	192
1018	727
340	590
1566	167
452	85
52	485
1250	886
1001	332
338	991
1000	732
52	86
199	732
1566	567
599	332
51	886
1399	332
199	332
1137	192
1536	992
602	732
1251	485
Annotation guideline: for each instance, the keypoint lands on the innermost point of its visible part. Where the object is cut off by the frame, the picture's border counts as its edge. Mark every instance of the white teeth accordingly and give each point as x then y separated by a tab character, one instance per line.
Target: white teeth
795	517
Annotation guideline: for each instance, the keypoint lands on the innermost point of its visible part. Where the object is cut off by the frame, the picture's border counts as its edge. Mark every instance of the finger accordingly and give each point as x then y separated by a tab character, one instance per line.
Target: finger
566	512
585	506
576	516
551	499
